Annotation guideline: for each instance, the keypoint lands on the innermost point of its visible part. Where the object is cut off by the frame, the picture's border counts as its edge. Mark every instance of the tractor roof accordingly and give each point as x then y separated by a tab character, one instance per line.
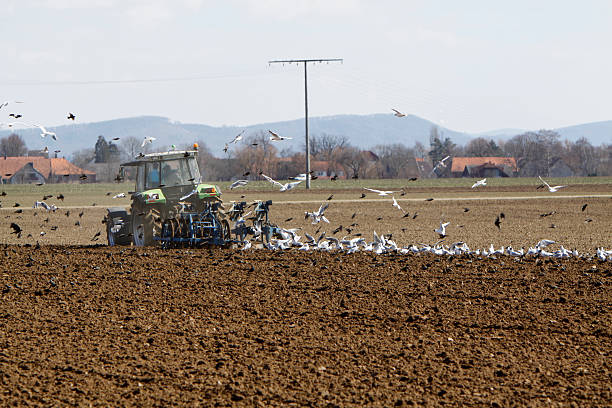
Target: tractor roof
153	157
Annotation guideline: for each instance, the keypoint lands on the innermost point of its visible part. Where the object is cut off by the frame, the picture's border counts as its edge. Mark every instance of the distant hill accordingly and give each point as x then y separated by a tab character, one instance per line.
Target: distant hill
363	131
596	132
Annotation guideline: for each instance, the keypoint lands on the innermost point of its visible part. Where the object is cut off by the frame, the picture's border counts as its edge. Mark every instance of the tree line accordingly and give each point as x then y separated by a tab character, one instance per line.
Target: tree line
536	153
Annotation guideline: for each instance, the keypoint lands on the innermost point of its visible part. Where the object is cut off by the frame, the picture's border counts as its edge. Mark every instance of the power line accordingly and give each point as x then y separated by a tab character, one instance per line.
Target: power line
132	80
305	62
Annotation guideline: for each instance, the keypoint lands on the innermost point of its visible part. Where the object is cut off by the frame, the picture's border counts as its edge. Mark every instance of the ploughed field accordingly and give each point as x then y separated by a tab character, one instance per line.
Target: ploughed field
144	326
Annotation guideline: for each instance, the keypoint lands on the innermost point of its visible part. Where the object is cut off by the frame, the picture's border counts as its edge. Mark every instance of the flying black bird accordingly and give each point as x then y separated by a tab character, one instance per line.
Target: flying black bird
334	177
116	138
337	230
355	176
362	195
68	213
95	237
19	211
330	197
54	228
16	205
406	215
314	177
584	206
60	197
502	216
288	219
246	173
77	224
414	216
413	179
83	177
379	218
3	193
81	214
429	199
16	116
465	209
353	216
46	197
71	116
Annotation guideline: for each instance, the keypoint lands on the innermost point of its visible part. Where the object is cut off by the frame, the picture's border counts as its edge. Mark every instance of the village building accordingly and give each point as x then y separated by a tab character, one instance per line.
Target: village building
482	167
40	170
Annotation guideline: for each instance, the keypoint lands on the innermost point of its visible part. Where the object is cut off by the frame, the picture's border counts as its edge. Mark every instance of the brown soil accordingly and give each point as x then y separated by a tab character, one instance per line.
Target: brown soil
124	326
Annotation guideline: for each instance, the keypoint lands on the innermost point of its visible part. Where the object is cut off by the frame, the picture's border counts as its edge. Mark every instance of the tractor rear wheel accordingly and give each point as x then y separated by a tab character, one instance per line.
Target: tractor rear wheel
117	216
144	226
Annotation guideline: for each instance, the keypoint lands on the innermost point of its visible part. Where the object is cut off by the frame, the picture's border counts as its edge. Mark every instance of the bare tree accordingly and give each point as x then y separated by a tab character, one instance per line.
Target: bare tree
13	146
395	161
323	147
130	146
83	158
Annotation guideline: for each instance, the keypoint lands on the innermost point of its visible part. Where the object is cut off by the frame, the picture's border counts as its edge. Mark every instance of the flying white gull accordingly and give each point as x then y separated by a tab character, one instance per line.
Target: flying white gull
44	132
147	139
276	138
552	189
396	205
120	195
237	138
440	164
441	231
3	104
238	183
39	204
479	183
283	187
317	216
380	192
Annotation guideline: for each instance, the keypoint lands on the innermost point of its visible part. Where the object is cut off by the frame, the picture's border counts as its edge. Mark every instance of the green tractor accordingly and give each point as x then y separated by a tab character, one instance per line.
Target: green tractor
170	204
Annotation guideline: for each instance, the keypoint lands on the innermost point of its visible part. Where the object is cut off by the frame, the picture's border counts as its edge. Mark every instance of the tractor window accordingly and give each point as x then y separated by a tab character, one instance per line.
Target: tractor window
193	169
176	173
140	177
152	175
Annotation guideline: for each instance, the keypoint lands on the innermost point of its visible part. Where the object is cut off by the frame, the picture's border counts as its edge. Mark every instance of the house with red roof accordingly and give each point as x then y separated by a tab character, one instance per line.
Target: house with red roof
37	170
484	167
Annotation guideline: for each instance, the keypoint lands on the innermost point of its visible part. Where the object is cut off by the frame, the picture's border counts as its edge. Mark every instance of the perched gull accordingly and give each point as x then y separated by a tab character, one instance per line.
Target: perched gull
479	183
147	139
398	113
441	231
238	183
380	192
544	243
276	138
552	189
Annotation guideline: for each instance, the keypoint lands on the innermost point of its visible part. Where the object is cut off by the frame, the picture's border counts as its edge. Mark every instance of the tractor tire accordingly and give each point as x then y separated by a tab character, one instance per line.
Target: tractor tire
144	227
118	216
225	230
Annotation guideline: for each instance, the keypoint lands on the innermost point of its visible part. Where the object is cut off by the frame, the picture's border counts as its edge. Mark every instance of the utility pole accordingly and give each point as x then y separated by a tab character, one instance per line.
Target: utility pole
305	62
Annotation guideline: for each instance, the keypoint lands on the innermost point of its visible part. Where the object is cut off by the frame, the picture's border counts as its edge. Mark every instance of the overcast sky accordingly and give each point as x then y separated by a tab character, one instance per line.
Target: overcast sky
468	65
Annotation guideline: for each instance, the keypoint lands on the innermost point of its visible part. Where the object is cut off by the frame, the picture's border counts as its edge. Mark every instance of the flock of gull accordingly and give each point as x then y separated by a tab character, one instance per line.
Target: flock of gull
381	244
384	245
